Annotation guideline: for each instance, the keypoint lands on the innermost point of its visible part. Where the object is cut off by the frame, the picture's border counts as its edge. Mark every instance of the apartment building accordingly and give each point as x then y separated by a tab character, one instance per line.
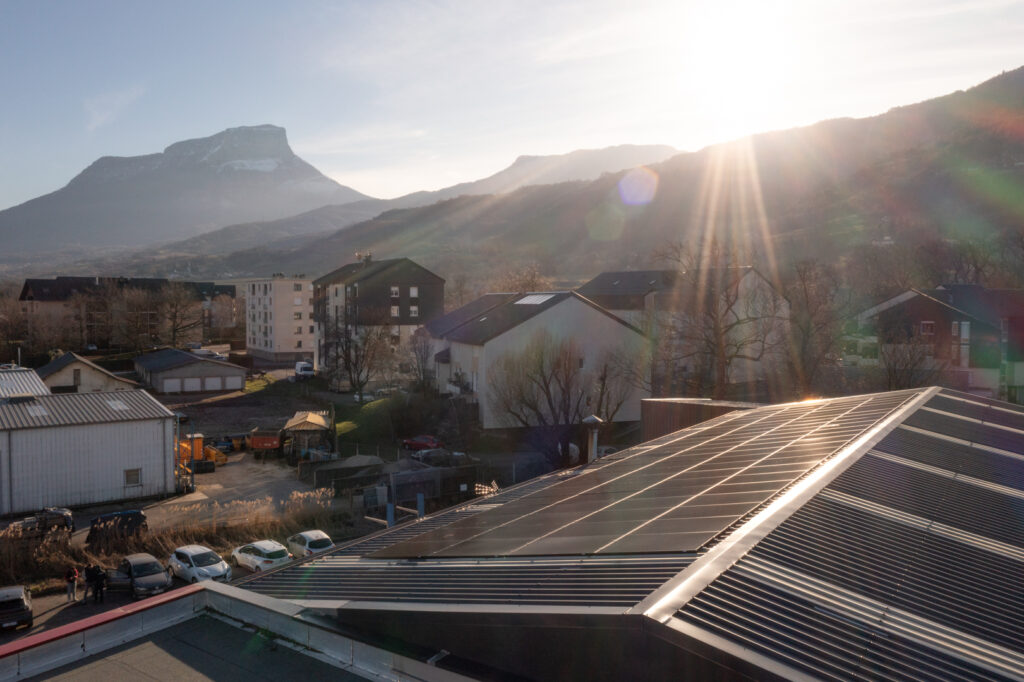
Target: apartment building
279	318
397	293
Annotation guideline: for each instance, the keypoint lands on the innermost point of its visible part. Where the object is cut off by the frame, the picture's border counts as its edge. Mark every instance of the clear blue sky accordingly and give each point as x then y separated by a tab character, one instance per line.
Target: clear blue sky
393	97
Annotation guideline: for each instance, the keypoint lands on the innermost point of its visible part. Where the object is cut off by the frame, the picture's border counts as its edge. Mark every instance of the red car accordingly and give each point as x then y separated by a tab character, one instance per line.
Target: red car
421	443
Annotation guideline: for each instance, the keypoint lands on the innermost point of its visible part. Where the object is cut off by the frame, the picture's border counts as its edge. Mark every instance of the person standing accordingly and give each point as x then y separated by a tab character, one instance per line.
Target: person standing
71	578
100	586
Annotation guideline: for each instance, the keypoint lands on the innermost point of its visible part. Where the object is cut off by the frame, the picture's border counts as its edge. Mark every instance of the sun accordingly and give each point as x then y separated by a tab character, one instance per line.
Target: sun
743	61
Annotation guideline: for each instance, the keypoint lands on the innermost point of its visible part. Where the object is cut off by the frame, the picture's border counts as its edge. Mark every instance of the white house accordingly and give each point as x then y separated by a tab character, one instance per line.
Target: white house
75	449
467	341
71	373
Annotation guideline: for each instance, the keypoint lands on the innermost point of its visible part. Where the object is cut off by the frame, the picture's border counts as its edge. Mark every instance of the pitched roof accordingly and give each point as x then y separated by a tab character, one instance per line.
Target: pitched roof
307	421
69	358
21	381
629	283
65	409
440	326
63	287
360	271
169	358
859	537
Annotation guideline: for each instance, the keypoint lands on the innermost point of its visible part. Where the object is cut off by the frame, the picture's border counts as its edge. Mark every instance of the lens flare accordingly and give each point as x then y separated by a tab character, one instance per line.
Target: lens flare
638	186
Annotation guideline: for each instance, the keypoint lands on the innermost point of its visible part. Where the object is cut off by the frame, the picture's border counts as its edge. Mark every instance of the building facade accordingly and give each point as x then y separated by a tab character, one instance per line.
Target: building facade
83	448
279	318
397	294
175	371
71	373
467	342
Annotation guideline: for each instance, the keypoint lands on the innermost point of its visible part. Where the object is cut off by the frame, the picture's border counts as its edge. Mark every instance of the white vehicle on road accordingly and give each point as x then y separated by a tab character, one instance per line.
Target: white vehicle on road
193	563
262	555
309	542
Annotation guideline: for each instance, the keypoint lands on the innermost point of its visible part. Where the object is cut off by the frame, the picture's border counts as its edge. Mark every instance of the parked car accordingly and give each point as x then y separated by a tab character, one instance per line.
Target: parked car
262	555
141	574
127	522
309	542
15	606
43	523
193	563
421	443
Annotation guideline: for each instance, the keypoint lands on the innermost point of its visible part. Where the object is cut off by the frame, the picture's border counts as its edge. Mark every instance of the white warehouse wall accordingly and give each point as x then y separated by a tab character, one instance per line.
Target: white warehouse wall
84	464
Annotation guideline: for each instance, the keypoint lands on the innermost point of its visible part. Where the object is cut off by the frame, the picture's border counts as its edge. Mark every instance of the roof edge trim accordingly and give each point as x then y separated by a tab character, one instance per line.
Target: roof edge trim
669	598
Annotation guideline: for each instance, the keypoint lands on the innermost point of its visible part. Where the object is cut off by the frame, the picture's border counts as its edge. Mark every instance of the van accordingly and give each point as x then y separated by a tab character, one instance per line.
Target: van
304	370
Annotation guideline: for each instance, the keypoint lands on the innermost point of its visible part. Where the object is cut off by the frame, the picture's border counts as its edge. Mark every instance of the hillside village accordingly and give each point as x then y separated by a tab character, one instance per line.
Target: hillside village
513	427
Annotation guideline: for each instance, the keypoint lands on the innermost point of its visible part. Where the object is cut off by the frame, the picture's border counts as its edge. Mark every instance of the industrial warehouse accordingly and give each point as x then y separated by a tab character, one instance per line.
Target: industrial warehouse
74	449
877	536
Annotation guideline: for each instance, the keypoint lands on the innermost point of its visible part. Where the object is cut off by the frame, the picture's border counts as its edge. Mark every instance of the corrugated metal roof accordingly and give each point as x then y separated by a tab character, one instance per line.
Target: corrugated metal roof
21	381
66	409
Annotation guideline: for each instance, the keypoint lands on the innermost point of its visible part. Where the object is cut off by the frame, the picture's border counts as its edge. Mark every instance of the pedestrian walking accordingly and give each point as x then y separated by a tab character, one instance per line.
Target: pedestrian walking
71	578
101	584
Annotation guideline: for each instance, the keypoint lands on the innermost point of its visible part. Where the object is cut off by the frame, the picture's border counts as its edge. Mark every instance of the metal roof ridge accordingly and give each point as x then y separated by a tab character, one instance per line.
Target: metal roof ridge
670	597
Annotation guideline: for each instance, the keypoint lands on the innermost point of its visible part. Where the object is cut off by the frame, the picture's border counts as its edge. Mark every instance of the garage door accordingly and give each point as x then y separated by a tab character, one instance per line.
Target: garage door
172	386
213	384
193	385
233	383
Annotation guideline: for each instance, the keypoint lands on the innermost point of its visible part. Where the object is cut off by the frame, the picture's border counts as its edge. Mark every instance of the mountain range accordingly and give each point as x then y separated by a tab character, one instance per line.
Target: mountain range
238	175
950	167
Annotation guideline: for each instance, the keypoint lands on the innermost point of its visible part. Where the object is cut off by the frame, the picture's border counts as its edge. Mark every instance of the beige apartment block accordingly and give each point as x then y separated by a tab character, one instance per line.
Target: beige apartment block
279	318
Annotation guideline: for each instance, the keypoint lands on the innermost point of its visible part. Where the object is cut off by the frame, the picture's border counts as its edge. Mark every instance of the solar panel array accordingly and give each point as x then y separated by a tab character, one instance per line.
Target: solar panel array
675	497
907	566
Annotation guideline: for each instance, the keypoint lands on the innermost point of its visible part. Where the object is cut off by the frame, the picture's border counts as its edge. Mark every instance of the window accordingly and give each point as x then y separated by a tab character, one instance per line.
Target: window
296	287
297	316
132	477
310	329
414	292
298	344
956	329
394	311
927	328
394	291
298	330
77	377
414	311
298	300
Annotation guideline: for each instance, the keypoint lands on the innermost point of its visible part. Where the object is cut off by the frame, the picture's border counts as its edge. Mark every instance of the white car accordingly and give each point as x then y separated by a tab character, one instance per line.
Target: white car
193	563
309	542
261	556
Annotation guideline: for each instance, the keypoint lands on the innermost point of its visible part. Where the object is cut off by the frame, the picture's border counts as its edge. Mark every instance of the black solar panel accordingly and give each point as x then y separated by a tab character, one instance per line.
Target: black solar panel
675	497
970	431
586	582
931	496
815	639
954	457
933	576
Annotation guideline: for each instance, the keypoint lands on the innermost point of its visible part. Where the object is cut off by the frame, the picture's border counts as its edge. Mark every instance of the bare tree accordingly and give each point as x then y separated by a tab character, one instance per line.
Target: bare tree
13	327
353	351
817	311
419	349
135	323
908	361
545	388
723	312
521	277
181	312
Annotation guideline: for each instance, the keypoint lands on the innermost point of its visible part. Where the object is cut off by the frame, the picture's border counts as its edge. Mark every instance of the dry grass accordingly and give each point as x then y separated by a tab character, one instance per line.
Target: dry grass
41	565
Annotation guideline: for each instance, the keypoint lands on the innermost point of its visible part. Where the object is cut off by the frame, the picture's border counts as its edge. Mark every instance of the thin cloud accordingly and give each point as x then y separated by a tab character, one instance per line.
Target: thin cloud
107	107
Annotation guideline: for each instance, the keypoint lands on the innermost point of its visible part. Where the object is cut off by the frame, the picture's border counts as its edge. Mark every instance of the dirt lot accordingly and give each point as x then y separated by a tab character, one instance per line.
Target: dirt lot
270	401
